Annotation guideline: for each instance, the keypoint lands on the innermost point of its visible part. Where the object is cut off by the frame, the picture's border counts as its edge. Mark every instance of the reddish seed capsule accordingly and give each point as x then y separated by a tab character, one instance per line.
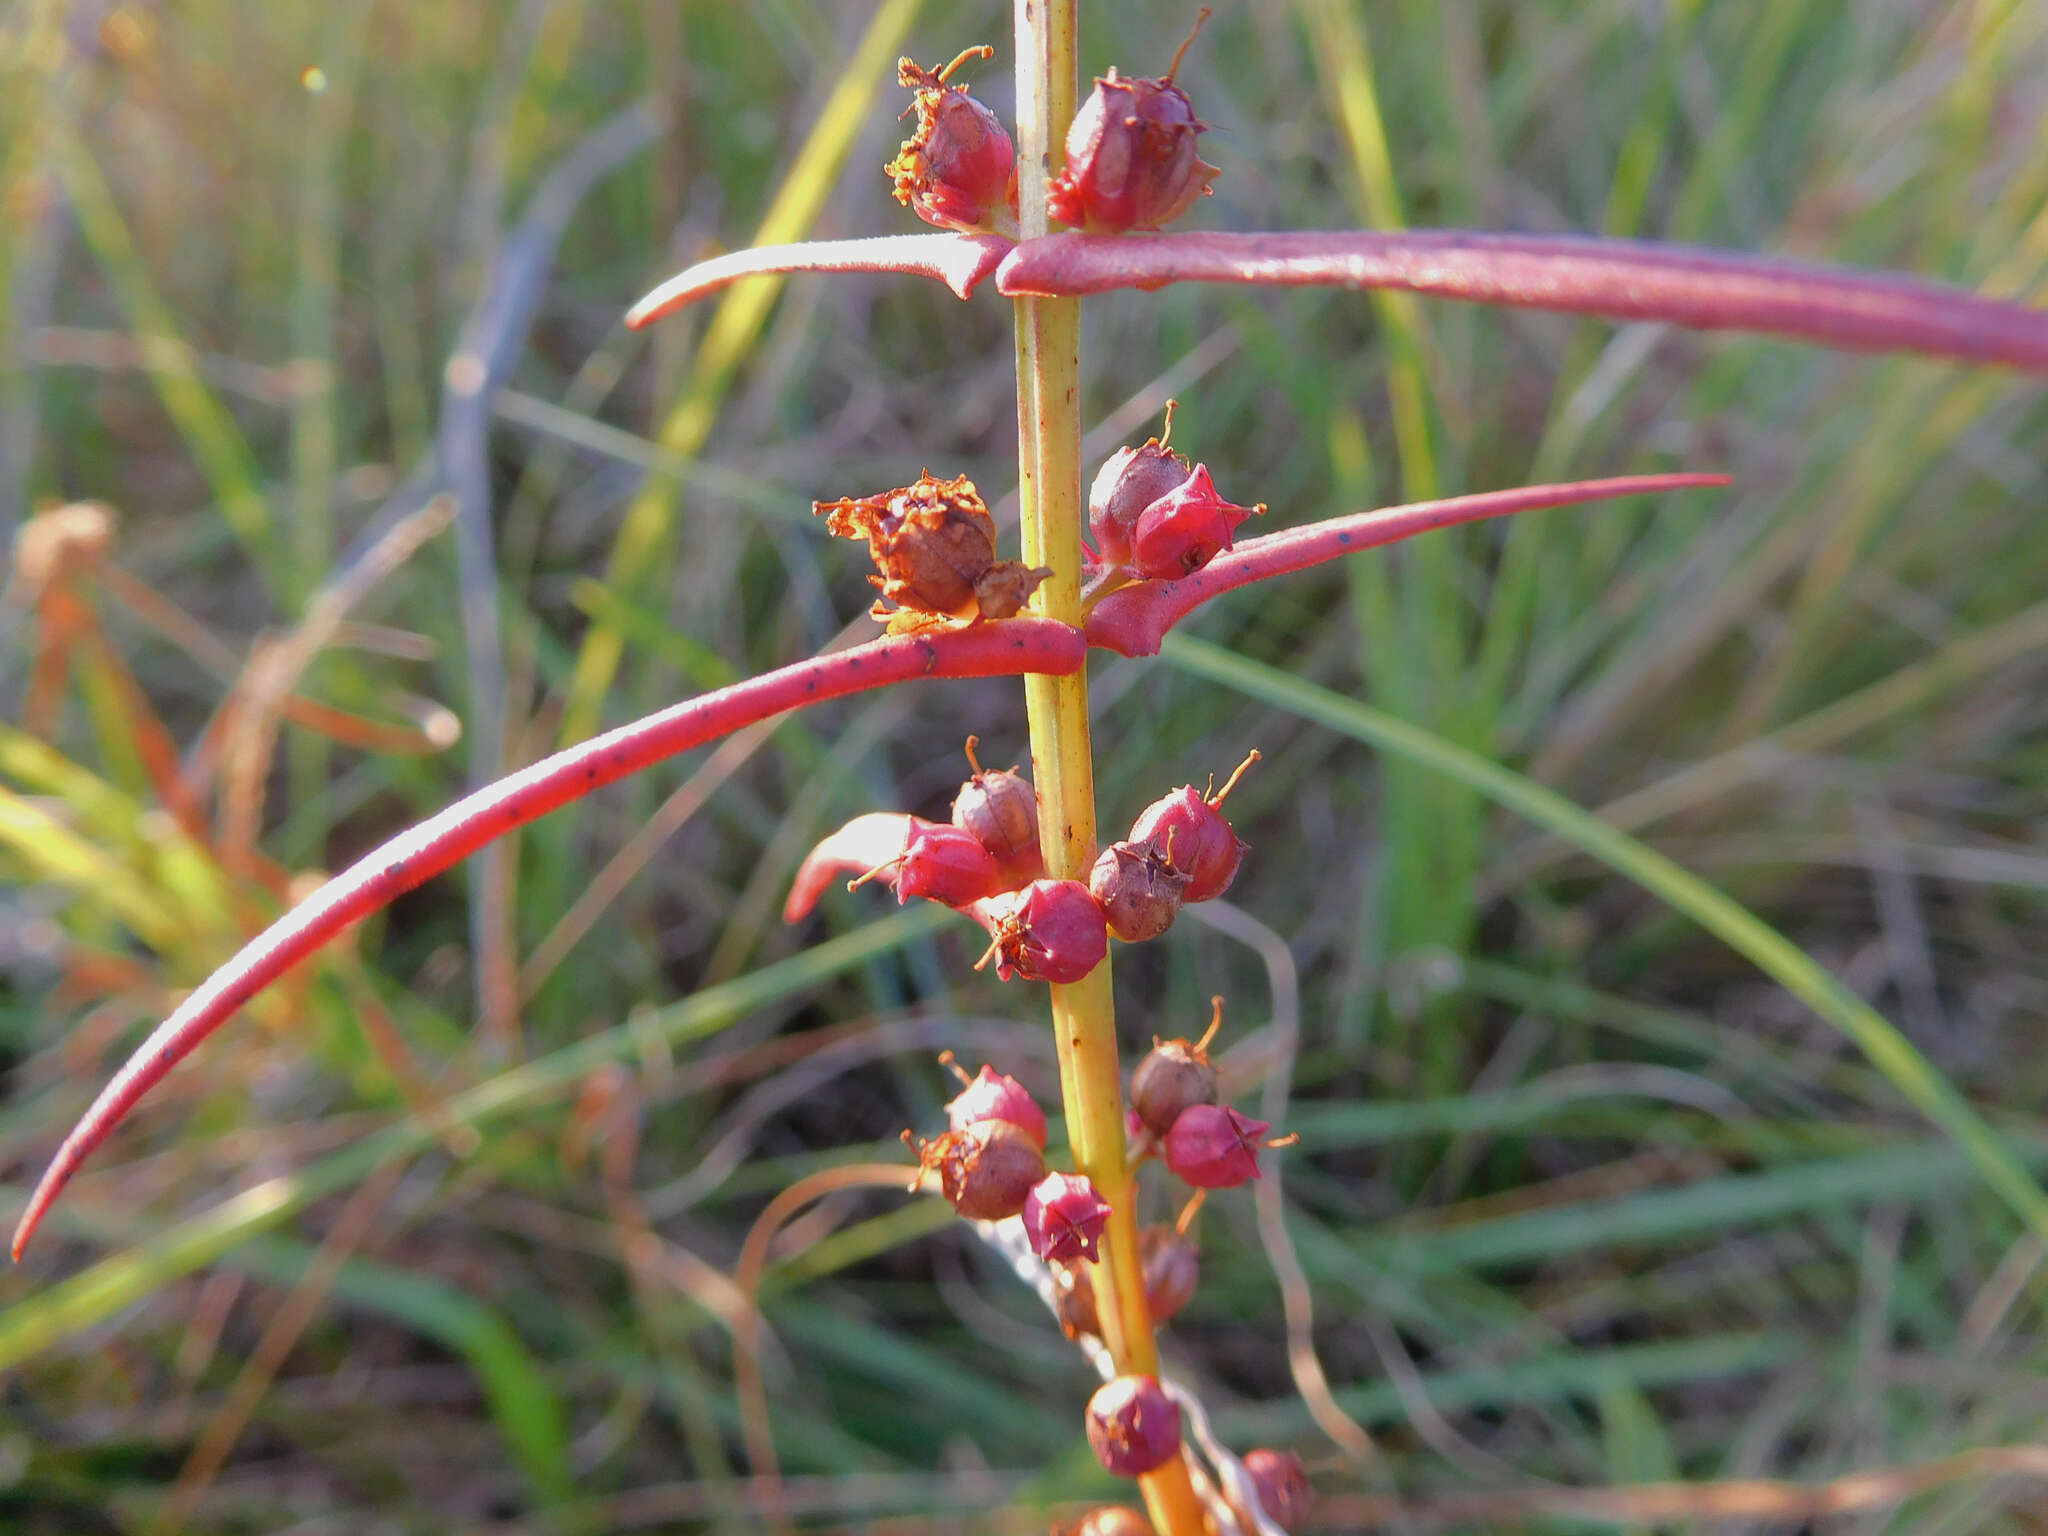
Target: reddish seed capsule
985	1171
1133	1426
1204	847
1052	930
934	548
993	1095
1170	1268
1173	1076
939	863
1213	1146
1063	1217
1131	157
1282	1486
1129	482
958	170
999	807
1185	528
1138	889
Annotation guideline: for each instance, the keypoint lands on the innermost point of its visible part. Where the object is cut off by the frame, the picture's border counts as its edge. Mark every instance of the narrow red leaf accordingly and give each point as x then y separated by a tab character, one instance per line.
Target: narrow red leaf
867	842
1615	279
1133	620
958	261
414	856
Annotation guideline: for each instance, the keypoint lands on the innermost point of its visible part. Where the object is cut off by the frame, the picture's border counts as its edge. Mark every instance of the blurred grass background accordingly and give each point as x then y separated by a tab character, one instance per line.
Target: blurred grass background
437	1237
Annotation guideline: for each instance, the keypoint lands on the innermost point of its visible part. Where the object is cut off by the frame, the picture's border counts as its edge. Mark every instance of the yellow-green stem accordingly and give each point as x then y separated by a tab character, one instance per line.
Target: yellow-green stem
1062	764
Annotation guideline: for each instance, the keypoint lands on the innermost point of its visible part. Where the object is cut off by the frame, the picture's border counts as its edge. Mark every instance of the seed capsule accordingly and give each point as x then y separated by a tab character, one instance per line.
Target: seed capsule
1138	889
1133	1426
939	863
1175	1075
1281	1484
1052	930
985	1171
1131	158
1214	1146
1063	1217
1185	528
1169	1265
1130	480
958	170
934	548
1204	847
993	1095
1000	808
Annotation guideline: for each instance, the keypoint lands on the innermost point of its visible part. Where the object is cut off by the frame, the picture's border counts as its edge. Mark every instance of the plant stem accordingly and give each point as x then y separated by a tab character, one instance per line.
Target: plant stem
1062	762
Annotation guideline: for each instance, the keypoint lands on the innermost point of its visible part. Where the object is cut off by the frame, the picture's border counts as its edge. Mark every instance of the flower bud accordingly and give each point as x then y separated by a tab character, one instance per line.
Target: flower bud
958	170
1203	846
1133	1426
1000	808
1214	1146
939	863
1137	888
934	548
1130	480
985	1171
1052	930
1063	1217
993	1095
1185	529
1131	160
1281	1484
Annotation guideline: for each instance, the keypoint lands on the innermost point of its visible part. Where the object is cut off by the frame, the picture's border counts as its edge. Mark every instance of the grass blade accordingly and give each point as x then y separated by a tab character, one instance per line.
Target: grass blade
1756	941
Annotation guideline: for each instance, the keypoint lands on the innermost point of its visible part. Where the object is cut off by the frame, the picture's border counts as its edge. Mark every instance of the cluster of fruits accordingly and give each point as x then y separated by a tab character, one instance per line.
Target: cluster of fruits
986	863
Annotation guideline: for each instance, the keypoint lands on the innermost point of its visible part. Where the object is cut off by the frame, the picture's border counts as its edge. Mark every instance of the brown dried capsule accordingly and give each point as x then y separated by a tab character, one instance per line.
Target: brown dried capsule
999	806
1173	1075
1131	160
985	1171
958	170
1138	888
934	548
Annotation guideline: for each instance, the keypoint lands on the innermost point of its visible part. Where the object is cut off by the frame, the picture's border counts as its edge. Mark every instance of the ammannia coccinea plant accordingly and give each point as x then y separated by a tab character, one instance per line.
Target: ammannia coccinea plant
1113	561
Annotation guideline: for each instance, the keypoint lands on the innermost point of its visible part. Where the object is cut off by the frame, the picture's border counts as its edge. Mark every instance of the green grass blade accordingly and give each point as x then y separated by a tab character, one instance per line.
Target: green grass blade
646	536
133	1274
515	1387
1756	941
216	442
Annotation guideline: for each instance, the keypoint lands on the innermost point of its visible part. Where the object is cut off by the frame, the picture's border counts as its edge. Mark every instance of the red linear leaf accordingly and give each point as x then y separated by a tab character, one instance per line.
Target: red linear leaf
1133	620
414	856
1615	279
958	261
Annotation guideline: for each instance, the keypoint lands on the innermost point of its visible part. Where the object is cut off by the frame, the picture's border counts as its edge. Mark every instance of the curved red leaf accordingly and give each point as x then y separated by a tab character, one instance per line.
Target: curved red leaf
1133	620
414	856
958	261
1615	279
